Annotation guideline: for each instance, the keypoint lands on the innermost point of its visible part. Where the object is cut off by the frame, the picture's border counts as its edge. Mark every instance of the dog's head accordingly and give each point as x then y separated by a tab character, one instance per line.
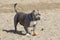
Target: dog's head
36	14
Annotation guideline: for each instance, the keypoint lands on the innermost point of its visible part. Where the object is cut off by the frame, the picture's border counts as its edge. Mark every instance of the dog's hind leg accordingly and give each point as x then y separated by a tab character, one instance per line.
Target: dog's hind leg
15	23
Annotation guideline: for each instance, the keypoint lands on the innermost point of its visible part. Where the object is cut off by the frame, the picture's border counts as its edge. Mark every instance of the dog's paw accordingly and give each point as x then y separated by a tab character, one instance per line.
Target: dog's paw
27	34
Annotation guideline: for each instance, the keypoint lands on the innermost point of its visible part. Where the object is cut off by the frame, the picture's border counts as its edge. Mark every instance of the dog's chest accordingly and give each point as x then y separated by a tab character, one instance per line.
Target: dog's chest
33	23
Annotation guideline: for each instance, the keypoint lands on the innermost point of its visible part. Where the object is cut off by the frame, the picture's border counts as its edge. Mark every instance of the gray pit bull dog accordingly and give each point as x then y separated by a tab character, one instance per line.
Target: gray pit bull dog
27	20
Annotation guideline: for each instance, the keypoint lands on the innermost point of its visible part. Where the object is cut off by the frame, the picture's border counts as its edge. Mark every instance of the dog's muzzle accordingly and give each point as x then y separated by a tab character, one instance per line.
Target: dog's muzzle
38	18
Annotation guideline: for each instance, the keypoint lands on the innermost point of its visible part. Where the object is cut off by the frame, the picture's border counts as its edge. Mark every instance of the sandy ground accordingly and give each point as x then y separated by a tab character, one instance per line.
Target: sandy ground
50	20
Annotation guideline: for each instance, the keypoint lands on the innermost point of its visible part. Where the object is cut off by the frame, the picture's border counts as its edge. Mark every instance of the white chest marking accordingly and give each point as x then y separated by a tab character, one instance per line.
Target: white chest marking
33	23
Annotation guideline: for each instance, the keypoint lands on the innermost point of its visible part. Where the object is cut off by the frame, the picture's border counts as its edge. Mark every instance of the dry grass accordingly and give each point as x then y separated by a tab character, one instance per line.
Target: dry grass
28	7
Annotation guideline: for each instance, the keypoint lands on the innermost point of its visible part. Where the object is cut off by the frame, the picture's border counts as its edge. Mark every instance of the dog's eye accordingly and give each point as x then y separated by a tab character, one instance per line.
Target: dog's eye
38	14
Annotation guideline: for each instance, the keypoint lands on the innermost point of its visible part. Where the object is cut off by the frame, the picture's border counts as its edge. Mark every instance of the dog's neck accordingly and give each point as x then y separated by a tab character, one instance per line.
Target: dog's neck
30	17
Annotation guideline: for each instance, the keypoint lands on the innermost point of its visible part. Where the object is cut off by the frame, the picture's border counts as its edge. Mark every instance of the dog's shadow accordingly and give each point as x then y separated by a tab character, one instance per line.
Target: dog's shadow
13	31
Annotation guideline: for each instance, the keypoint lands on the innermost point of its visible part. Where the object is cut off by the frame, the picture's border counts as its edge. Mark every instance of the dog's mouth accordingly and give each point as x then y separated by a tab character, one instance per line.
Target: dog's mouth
38	18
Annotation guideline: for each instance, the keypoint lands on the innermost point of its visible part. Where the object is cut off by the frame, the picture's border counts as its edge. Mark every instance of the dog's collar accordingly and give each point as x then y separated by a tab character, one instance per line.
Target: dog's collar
30	17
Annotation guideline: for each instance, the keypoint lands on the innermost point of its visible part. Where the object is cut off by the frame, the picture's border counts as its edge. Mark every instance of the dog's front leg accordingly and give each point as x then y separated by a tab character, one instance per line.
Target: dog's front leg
34	28
27	32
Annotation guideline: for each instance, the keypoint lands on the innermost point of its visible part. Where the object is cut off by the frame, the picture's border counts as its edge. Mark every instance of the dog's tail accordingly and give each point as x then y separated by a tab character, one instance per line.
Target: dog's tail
15	7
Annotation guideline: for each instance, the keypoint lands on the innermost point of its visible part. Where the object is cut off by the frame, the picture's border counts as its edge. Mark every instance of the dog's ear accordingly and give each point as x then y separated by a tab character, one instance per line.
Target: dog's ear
32	12
39	13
